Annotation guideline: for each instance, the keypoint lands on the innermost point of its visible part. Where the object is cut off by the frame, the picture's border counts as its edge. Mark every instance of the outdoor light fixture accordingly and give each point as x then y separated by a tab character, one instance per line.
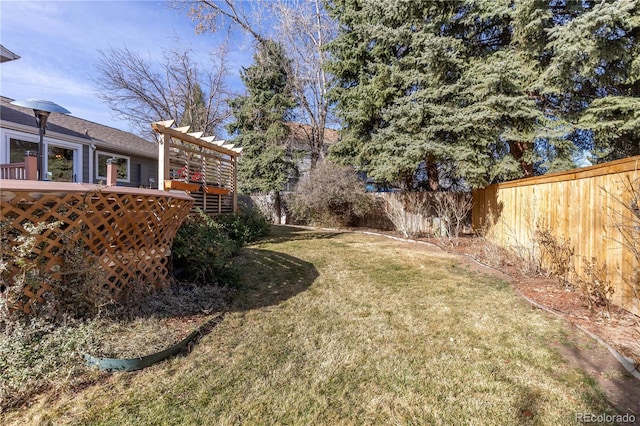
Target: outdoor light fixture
41	109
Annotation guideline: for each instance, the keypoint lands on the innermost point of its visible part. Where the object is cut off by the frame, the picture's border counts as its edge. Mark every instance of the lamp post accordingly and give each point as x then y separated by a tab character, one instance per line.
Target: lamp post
41	109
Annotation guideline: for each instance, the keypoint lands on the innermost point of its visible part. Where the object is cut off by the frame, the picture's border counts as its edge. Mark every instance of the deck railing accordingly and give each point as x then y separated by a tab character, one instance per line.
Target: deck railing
26	170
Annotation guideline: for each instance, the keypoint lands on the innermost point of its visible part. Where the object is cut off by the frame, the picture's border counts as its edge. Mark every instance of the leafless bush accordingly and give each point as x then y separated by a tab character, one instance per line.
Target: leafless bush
407	212
626	216
83	291
78	285
596	286
453	210
330	195
557	250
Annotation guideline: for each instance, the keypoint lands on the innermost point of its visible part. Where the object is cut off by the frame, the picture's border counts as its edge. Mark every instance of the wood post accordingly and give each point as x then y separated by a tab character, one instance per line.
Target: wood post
234	166
31	165
112	172
164	174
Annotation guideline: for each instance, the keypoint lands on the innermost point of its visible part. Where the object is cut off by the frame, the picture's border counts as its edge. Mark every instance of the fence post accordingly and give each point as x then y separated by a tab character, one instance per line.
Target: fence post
31	165
112	172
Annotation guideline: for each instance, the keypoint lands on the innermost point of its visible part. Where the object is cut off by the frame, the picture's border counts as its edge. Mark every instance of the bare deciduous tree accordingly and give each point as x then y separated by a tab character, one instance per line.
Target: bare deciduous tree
304	28
142	91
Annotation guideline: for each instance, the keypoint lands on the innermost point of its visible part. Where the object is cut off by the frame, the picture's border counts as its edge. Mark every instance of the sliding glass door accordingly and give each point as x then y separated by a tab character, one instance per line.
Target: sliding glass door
60	162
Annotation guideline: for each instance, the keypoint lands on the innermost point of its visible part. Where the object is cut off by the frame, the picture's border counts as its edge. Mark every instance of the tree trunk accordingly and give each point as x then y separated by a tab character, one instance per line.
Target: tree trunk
517	150
433	176
278	208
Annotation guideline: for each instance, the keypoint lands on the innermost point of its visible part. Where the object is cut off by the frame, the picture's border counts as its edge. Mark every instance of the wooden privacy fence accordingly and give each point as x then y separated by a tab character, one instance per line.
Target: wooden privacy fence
204	167
130	230
592	208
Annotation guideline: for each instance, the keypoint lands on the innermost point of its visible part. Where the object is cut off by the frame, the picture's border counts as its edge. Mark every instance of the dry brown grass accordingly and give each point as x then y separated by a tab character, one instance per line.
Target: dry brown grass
331	328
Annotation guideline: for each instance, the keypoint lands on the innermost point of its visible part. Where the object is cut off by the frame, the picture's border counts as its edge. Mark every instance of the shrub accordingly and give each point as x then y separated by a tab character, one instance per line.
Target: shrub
78	287
202	251
557	250
330	195
204	245
596	286
453	209
245	227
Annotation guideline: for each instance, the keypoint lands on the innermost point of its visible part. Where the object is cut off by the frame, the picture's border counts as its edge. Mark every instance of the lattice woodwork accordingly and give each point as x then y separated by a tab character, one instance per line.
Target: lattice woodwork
200	165
130	230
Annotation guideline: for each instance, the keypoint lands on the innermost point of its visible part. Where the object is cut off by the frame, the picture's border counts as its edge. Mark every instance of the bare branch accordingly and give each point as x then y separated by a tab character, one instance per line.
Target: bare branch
142	91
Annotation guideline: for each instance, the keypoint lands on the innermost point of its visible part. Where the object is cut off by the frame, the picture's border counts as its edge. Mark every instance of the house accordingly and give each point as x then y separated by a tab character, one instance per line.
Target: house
77	150
300	136
7	55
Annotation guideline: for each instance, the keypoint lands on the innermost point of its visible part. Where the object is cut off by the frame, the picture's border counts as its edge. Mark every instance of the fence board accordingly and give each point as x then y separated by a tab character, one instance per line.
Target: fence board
581	205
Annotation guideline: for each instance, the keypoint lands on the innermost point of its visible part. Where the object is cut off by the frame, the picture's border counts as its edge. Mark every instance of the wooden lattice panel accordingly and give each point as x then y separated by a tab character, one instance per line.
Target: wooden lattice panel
130	230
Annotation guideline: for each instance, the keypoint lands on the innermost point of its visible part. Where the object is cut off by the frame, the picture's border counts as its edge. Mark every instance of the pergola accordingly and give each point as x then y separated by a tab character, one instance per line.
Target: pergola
204	167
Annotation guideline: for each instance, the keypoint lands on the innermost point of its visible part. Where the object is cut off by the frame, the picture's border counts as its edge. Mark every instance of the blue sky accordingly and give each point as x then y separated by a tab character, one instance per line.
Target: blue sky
58	42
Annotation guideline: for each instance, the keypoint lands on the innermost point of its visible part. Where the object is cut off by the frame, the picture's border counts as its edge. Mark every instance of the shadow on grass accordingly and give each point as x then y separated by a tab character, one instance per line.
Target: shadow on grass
266	278
285	233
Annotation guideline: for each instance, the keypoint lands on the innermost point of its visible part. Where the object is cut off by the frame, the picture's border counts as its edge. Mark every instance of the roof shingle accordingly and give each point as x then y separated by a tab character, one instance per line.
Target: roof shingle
103	137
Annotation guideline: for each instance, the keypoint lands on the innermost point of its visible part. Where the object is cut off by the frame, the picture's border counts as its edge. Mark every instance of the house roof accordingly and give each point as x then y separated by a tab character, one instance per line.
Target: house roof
77	129
6	55
302	132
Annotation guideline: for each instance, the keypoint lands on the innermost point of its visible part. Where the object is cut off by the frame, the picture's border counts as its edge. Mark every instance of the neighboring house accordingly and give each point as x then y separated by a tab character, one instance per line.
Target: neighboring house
77	150
300	137
7	55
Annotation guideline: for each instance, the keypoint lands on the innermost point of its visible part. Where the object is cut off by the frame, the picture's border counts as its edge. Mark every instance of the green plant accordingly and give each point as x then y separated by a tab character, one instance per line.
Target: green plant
246	226
202	251
331	195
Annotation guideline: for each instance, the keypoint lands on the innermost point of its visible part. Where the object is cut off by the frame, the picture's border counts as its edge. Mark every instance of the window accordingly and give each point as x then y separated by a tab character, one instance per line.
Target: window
60	164
123	166
18	147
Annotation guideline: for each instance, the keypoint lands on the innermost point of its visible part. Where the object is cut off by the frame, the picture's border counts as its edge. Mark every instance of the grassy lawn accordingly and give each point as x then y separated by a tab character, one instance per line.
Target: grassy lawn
337	328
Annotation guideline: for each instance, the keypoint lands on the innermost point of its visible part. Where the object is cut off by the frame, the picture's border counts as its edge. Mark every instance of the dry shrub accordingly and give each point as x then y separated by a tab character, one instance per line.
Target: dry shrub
407	212
330	195
627	221
453	209
557	250
596	286
78	285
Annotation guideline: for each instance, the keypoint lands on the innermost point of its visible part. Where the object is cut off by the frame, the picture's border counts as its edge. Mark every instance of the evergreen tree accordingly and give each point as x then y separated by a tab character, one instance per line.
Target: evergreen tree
260	117
434	84
591	72
195	109
490	90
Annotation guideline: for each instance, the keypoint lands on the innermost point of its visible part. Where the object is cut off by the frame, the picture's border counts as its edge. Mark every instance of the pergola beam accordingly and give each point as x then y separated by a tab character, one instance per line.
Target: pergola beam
228	152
